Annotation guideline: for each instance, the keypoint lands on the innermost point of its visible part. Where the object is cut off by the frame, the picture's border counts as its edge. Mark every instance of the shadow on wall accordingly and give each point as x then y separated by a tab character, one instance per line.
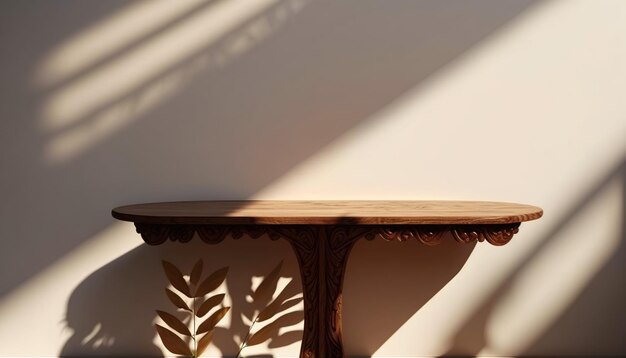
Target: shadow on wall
113	310
595	316
184	111
387	283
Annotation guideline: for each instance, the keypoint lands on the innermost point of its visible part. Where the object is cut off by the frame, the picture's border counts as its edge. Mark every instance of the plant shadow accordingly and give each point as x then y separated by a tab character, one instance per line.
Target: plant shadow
113	309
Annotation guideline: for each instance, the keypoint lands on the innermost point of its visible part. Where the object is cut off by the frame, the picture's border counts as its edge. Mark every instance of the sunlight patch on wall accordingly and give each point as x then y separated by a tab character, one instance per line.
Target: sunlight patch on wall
146	62
533	114
484	109
55	284
558	274
98	103
104	38
72	142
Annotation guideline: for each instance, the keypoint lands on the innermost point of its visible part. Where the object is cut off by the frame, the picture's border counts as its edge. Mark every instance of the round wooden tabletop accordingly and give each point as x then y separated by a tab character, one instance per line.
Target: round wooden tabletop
328	212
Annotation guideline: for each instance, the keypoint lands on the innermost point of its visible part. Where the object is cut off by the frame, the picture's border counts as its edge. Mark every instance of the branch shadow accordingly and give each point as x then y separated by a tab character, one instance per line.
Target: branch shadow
112	311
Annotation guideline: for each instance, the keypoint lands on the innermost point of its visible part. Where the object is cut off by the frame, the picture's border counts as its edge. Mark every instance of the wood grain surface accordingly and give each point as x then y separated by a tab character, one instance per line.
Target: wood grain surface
328	212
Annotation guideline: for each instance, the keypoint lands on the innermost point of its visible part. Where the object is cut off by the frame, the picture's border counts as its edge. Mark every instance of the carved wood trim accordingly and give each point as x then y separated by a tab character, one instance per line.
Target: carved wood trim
153	234
156	234
497	235
426	234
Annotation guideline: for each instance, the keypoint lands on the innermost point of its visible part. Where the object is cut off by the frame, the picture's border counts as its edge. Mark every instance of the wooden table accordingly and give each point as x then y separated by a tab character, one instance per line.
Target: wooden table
322	234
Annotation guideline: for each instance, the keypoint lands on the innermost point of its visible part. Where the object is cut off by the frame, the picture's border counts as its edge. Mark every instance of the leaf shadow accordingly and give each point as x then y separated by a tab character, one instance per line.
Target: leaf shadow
112	311
266	302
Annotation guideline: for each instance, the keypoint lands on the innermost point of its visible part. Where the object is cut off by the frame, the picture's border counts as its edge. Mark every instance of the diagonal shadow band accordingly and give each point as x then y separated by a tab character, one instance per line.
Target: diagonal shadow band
388	282
228	132
592	325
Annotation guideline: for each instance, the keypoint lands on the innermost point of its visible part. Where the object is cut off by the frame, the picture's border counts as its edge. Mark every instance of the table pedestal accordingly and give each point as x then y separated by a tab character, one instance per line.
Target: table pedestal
322	254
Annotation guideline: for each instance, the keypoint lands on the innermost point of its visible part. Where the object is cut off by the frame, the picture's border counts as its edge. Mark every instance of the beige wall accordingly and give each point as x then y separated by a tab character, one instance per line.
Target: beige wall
116	102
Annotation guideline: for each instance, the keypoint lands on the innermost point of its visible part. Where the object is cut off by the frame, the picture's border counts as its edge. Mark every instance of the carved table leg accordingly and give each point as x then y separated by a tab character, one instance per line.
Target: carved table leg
322	253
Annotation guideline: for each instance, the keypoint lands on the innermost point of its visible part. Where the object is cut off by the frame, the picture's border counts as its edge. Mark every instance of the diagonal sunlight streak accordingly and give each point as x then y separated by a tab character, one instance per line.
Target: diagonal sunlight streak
57	281
108	36
148	61
558	274
535	136
109	99
85	323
